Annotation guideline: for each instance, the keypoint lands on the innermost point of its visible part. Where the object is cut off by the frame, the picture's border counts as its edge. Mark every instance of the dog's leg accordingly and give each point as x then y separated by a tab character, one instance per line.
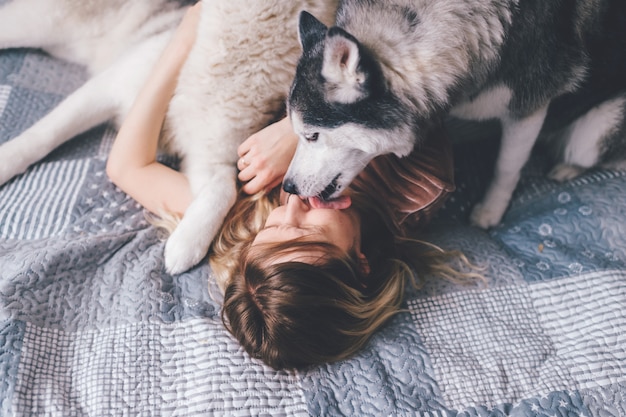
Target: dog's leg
215	191
207	144
588	136
86	107
103	97
518	139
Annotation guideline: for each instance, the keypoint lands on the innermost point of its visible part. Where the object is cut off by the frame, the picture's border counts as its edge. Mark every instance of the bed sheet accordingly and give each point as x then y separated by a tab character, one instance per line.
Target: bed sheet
92	325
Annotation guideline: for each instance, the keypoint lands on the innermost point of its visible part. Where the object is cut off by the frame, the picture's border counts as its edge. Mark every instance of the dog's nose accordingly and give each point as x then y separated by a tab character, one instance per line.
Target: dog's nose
289	187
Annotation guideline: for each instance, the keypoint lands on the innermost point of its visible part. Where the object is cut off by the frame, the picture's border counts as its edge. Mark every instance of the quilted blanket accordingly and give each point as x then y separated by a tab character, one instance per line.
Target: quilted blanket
92	325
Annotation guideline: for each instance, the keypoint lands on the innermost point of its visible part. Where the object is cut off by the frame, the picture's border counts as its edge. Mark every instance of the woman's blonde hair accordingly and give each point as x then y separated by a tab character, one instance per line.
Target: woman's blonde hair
239	229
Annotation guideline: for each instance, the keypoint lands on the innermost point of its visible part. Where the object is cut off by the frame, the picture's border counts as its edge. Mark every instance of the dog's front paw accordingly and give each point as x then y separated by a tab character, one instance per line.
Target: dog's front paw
183	251
485	217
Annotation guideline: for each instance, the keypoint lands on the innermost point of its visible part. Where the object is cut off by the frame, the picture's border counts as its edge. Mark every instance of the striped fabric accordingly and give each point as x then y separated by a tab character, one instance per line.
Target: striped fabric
5	90
107	142
40	203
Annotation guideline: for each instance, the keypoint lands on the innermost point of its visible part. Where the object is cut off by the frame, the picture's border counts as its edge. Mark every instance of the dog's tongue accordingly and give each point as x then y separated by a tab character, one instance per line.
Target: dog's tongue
339	203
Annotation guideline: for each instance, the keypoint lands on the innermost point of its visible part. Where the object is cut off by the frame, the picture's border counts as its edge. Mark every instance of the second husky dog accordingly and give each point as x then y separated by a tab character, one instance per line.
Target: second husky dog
236	78
374	83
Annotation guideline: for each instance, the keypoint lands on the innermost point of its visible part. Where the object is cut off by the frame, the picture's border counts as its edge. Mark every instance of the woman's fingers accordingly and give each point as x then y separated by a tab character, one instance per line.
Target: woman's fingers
265	156
246	146
246	172
255	175
243	163
260	183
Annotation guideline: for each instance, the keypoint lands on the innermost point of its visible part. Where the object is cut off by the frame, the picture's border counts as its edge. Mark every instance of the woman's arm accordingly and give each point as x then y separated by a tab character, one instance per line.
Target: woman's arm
132	164
265	156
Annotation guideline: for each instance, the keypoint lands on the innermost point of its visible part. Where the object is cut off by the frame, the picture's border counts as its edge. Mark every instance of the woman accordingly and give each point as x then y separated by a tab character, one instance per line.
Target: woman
304	282
311	285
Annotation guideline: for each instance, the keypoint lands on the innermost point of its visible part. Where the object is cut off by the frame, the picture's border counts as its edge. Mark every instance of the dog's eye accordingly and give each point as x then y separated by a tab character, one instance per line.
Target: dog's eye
312	137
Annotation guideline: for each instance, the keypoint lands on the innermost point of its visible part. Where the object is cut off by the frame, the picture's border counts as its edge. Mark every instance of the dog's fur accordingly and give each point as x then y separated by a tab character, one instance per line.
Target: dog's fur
376	81
234	82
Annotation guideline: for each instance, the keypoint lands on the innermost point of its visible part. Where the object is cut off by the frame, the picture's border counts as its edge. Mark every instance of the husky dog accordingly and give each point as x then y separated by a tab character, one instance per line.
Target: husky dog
376	81
235	80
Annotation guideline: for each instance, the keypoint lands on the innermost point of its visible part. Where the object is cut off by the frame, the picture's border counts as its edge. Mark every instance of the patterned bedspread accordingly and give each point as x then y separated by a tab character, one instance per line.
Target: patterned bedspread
91	325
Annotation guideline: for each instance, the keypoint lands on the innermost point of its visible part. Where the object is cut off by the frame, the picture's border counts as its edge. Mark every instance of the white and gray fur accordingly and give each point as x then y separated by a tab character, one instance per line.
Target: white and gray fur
234	82
389	70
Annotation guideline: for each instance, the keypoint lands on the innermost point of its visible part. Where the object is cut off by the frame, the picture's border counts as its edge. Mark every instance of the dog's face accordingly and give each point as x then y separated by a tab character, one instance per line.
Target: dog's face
343	112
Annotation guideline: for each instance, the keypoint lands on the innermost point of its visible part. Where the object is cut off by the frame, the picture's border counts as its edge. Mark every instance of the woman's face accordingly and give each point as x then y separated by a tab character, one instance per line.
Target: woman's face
296	218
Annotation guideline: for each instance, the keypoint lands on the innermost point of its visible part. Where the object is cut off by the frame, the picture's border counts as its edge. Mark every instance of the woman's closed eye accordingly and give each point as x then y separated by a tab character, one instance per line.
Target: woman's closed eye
281	232
304	228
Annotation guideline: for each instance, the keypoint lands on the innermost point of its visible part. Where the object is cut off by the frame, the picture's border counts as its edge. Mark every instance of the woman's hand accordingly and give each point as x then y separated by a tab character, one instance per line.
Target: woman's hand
265	156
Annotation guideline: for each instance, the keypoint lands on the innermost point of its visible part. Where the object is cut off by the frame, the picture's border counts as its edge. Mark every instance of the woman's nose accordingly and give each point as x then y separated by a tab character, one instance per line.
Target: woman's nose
296	208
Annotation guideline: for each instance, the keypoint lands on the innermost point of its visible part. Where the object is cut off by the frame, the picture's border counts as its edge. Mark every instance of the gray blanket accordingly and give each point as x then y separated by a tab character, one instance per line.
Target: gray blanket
92	325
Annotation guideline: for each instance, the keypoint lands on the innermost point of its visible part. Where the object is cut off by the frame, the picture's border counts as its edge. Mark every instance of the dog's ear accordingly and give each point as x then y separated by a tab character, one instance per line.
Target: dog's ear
310	30
341	68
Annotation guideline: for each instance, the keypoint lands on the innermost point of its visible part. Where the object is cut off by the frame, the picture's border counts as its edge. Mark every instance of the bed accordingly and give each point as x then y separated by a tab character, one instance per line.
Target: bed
92	325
